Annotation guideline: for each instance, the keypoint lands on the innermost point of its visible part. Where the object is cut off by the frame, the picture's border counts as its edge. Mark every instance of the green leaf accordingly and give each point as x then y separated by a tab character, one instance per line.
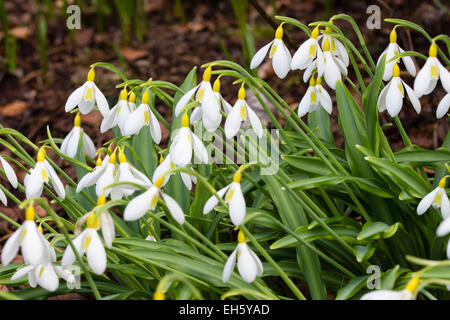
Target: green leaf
362	253
352	287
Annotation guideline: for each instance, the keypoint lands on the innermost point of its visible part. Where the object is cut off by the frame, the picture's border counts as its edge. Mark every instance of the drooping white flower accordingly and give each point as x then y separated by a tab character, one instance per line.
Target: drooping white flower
222	102
69	145
437	199
86	96
391	97
10	175
391	51
333	66
127	173
90	243
184	142
249	265
132	101
118	115
443	106
315	97
166	165
337	47
42	173
238	114
406	294
28	239
233	197
209	110
45	274
106	177
137	207
309	56
92	177
279	53
143	116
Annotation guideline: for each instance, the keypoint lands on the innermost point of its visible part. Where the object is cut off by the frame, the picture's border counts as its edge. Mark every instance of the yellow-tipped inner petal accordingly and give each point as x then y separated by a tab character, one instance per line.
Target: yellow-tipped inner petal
153	202
434	71
243	112
146	116
89	94
41	272
24	232
44	175
241	237
412	284
437	199
333	47
400	88
200	94
91	75
313	98
312	50
86	242
230	194
159	182
273	49
326	46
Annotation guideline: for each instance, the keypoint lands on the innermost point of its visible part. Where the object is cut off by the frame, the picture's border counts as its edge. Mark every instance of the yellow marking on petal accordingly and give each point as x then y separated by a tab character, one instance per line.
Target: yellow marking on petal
145	97
241	93
393	36
122	157
395	71
237	177
400	88
132	97
279	32
273	49
442	183
172	165
86	242
153	202
315	33
185	120
433	51
44	175
40	229
207	74
91	75
77	121
41	272
313	98
158	295
238	253
159	182
24	232
29	213
118	110
101	200
92	221
216	85
189	139
243	112
434	71
241	237
312	50
123	94
89	94
333	47
326	46
41	154
146	116
437	200
230	194
412	284
161	159
200	94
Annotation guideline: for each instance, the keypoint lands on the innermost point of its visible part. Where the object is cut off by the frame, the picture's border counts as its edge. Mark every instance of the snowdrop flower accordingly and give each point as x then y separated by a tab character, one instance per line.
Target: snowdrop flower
391	97
428	77
337	48
333	66
28	238
90	243
127	174
281	58
137	207
239	113
91	178
42	173
118	115
309	56
437	199
391	51
143	116
222	102
132	101
69	145
184	142
46	273
166	165
86	96
315	97
106	177
234	198
406	294
249	265
209	109
10	175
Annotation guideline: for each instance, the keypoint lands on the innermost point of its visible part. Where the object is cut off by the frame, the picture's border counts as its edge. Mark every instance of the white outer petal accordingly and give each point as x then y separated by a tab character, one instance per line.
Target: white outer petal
174	208
9	171
281	60
95	252
387	295
101	101
426	202
301	58
75	97
90	178
137	207
47	279
237	207
254	121
199	149
412	96
246	264
21	272
444	75
184	100
229	266
213	201
259	55
32	245
11	247
423	79
443	106
181	148
56	182
324	99
331	72
394	99
233	121
88	145
444	228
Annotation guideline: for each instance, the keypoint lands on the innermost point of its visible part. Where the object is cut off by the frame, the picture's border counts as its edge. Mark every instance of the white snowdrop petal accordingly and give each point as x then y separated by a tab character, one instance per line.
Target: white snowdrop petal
394	99
305	103
101	101
155	128
11	247
9	171
325	99
259	266
444	228
22	272
426	202
409	64
381	56
229	266
108	229
184	100
95	252
72	143
75	97
443	106
199	149
382	103
106	179
237	207
255	122
233	121
320	62
174	208
3	198
181	148
161	169
56	182
35	184
88	145
186	180
412	97
331	73
281	60
137	207
301	58
383	295
259	55
66	141
69	256
213	201
444	75
89	178
46	277
135	121
445	205
246	264
390	53
32	245
422	80
342	52
309	70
